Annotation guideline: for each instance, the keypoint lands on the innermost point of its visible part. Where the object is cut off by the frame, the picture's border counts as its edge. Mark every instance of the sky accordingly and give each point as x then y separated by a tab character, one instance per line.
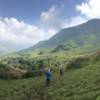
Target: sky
23	23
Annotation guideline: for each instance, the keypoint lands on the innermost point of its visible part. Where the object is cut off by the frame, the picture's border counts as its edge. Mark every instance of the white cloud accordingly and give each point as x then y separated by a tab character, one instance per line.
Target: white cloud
73	21
18	33
52	18
90	8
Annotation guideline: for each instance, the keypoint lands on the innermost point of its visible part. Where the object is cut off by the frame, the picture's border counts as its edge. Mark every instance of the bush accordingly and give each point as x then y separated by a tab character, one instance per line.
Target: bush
78	62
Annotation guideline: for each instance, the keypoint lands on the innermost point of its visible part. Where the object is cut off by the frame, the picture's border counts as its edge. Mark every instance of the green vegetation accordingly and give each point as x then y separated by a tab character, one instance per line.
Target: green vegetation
82	35
80	82
75	49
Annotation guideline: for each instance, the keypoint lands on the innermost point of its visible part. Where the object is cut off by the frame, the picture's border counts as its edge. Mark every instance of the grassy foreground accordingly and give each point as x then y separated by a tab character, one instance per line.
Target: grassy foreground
76	84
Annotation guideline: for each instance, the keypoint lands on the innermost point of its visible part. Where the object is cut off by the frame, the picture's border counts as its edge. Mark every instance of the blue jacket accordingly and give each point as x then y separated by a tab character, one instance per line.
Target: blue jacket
48	75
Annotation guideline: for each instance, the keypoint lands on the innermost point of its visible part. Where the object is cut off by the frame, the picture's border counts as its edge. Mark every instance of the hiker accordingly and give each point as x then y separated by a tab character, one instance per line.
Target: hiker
48	77
61	72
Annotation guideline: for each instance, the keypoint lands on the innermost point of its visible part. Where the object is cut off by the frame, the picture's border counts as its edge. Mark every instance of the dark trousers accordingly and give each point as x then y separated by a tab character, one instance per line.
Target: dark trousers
47	83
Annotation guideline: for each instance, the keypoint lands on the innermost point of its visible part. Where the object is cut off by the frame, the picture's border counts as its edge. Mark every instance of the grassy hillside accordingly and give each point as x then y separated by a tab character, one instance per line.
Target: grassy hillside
76	49
86	34
80	82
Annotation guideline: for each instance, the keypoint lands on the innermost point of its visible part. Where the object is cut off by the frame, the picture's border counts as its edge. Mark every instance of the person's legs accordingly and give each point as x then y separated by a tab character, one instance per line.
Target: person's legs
61	72
47	82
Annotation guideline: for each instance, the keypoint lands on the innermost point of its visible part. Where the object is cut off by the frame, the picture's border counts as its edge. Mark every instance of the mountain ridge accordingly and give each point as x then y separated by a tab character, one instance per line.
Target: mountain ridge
80	35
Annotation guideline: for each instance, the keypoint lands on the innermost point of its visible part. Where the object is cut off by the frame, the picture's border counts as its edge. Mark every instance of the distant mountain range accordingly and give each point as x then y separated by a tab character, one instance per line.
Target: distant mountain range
86	34
5	50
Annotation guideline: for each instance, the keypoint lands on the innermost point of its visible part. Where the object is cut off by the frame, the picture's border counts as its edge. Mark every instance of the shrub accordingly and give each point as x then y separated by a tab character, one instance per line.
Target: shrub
78	62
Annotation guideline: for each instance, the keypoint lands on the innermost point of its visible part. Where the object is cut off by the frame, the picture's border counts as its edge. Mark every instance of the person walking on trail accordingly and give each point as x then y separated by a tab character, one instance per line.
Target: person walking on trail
61	72
48	77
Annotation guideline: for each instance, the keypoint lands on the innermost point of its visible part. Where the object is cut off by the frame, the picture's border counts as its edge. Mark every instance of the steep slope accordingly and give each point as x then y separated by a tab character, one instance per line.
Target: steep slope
81	83
84	34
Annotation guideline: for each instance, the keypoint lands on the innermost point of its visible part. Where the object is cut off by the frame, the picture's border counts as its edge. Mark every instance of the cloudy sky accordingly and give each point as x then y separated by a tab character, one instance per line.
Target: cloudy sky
24	23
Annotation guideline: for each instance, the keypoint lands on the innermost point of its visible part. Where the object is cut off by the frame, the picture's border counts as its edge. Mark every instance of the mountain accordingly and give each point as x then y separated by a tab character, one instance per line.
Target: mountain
86	34
81	72
4	50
